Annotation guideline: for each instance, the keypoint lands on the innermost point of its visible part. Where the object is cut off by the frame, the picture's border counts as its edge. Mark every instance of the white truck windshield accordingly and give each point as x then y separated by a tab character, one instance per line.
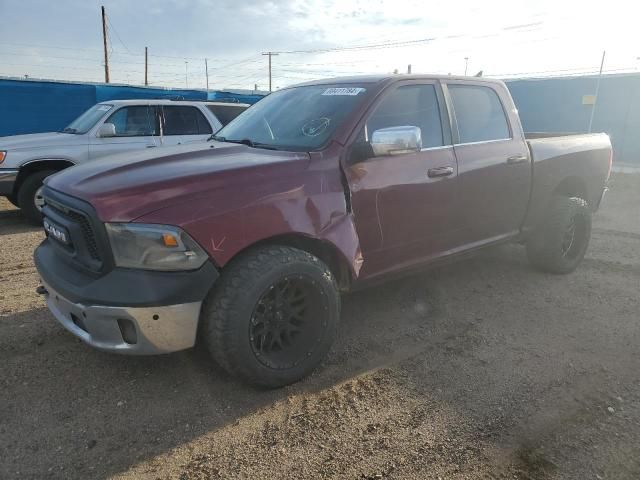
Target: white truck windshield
88	119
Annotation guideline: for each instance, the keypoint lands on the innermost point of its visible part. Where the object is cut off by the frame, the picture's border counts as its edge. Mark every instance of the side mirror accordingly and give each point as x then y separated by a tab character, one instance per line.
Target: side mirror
107	130
396	140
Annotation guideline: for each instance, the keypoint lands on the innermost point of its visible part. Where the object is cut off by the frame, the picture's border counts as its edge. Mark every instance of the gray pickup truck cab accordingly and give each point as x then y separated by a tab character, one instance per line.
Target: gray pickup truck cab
107	128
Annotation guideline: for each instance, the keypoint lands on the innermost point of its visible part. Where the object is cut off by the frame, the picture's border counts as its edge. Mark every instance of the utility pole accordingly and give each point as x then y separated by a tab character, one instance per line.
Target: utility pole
206	72
595	101
269	54
409	69
146	66
466	64
104	42
186	73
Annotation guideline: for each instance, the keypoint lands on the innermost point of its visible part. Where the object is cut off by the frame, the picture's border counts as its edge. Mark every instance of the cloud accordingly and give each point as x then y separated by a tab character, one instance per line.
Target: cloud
529	36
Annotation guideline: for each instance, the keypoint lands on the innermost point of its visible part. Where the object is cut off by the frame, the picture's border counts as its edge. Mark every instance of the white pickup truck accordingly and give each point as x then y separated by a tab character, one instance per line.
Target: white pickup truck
107	128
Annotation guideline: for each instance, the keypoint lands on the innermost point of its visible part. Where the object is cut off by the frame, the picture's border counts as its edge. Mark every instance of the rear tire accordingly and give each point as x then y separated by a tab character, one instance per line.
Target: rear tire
561	241
26	197
272	316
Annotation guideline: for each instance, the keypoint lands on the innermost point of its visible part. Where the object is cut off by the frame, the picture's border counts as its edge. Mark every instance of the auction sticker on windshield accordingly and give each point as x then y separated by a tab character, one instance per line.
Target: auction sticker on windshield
343	91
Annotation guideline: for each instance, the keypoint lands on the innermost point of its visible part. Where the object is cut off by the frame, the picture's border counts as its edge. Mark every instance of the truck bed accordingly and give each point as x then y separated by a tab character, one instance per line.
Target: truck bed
582	160
536	135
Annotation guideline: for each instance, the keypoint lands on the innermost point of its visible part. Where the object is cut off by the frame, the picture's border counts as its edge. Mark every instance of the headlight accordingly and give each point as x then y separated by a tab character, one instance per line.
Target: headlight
3	155
154	247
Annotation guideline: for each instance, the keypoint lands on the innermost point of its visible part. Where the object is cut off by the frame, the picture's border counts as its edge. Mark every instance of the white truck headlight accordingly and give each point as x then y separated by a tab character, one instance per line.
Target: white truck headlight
154	247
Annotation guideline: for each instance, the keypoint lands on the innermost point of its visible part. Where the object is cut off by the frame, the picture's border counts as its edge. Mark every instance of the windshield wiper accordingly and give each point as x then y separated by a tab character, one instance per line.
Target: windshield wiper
69	130
244	141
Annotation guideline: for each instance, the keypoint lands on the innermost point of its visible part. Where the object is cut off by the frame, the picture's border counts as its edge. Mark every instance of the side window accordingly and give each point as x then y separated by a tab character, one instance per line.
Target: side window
479	114
134	121
183	120
410	105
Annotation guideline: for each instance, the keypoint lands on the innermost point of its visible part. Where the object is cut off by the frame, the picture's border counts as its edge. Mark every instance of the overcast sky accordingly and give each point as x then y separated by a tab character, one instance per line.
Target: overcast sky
63	39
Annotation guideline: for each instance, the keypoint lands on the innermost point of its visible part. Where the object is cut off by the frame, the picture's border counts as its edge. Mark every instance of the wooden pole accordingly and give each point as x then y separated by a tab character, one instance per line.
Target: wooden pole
270	54
104	43
146	65
595	101
206	72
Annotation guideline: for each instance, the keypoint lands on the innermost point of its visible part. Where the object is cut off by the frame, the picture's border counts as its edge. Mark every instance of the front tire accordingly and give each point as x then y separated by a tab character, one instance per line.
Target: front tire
272	316
561	241
29	196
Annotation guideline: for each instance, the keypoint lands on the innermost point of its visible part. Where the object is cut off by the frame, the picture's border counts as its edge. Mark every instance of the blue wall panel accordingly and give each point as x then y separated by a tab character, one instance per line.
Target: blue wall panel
545	105
31	107
28	106
104	92
241	98
556	105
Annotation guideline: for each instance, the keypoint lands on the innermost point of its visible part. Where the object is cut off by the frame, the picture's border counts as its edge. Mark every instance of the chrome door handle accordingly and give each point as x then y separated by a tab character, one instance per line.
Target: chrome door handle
440	172
515	159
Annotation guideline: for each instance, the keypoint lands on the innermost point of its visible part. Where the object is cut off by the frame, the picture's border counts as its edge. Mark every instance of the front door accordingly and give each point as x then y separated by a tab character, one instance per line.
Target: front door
493	161
136	128
403	203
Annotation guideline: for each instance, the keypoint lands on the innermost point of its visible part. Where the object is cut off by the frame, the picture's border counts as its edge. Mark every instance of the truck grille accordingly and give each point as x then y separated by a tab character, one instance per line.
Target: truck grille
83	221
88	246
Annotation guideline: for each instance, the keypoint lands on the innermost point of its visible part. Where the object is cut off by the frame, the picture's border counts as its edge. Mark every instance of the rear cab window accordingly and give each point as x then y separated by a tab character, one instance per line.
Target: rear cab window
479	114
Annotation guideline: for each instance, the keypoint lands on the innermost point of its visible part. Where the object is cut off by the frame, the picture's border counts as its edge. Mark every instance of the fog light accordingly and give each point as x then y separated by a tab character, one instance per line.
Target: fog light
128	331
78	321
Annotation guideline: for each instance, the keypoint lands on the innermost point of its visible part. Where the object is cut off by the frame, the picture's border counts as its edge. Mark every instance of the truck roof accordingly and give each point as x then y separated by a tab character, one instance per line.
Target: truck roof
393	78
168	101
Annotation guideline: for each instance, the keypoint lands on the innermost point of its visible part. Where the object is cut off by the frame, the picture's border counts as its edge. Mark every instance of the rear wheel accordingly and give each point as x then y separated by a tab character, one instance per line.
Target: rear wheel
560	243
30	198
272	316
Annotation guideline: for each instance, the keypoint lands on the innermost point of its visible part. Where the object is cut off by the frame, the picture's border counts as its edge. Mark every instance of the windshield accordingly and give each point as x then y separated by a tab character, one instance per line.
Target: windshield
88	119
299	118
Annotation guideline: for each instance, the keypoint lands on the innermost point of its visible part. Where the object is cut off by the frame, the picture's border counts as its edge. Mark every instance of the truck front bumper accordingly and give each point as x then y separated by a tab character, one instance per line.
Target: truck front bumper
128	311
135	331
8	178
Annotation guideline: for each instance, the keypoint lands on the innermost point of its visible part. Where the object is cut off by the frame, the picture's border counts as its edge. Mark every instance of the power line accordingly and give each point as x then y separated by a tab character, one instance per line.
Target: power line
117	35
361	47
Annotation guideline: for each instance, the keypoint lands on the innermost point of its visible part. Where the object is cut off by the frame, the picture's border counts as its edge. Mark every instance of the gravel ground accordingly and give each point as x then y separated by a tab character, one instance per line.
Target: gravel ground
479	369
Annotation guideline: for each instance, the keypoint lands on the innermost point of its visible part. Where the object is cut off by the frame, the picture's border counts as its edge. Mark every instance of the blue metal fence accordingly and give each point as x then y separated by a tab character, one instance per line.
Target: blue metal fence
565	105
30	106
549	105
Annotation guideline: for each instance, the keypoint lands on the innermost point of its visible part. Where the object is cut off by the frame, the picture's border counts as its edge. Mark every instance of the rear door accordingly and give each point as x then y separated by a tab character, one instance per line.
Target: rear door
184	124
493	162
403	203
136	128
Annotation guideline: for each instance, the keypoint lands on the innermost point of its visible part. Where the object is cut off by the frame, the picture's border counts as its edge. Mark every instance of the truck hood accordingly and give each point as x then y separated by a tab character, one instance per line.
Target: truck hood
126	186
34	141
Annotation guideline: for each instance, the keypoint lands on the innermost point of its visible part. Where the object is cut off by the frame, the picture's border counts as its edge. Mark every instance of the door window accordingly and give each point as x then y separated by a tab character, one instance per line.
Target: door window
183	120
410	105
134	121
479	114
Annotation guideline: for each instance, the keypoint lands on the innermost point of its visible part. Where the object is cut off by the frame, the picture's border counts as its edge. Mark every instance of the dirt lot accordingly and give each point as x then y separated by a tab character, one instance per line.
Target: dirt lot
479	369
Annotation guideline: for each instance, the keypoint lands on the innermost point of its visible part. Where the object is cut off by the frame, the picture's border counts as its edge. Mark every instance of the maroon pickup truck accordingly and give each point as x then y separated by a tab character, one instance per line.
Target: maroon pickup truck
247	241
